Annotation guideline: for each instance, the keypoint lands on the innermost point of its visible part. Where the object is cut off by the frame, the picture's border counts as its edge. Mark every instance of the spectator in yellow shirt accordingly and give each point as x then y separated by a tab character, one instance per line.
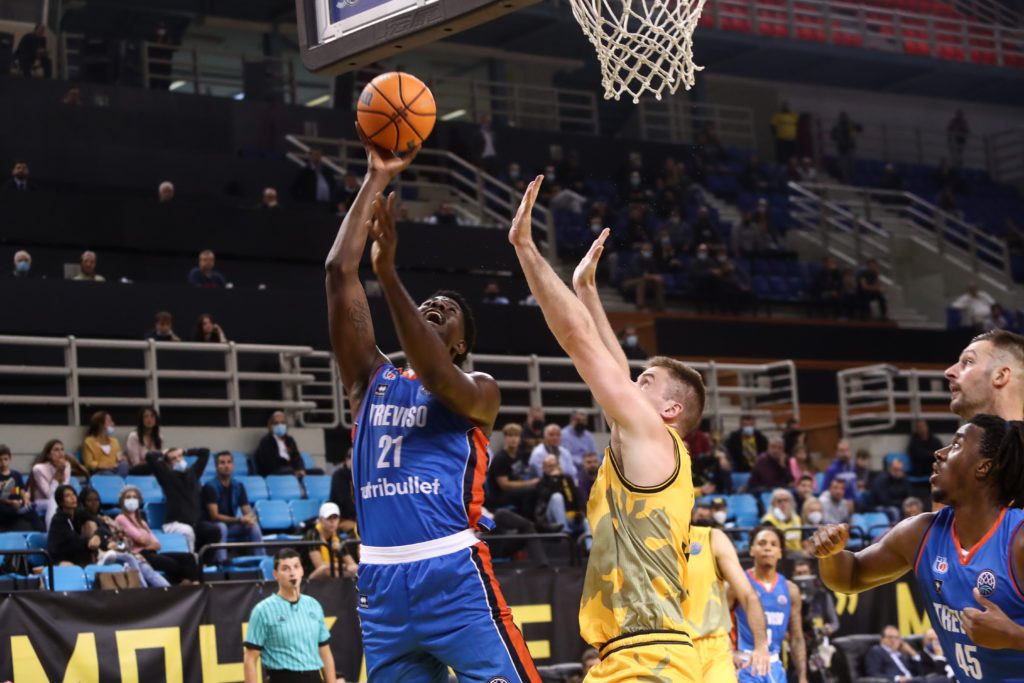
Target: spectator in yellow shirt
784	126
101	452
782	515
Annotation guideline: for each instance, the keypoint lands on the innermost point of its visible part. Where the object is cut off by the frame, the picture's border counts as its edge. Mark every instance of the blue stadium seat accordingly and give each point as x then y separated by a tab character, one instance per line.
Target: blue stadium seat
870	523
317	485
75	484
742	503
303	509
255	488
241	463
108	486
267	567
307	460
739	480
12	540
819	482
148	486
171	543
766	500
91	570
66	579
155	513
275	515
283	487
747	518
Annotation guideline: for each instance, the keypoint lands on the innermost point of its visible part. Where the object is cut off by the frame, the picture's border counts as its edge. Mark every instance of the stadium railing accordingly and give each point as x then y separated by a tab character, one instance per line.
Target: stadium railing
873	397
681	122
208	550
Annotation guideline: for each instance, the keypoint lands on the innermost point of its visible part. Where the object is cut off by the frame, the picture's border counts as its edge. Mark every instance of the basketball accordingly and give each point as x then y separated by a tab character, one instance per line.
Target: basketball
396	111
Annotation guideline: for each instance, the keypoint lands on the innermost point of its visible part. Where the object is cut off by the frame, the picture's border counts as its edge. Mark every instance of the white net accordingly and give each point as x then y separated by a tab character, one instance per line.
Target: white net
642	45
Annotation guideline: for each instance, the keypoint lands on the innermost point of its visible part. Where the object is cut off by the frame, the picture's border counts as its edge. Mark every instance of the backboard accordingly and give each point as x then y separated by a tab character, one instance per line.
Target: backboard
336	36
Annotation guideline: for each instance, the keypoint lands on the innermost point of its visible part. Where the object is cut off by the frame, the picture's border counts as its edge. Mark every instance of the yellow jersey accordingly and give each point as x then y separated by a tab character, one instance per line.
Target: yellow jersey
706	607
636	575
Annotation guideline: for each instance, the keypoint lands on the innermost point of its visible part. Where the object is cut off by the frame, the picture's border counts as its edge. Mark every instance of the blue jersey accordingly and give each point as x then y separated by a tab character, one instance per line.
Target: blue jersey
777	606
418	468
947	579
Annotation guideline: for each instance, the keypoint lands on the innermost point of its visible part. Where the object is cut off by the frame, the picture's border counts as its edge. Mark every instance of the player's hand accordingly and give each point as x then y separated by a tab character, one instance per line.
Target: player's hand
521	234
760	661
829	540
385	237
585	274
380	160
990	627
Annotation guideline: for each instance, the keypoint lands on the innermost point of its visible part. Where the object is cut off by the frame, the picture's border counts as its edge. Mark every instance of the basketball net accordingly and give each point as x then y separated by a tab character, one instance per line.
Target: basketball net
642	45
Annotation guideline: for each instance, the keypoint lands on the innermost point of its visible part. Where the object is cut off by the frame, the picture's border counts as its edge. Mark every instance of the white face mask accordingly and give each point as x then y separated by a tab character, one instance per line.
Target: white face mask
131	504
719	516
779	514
814	517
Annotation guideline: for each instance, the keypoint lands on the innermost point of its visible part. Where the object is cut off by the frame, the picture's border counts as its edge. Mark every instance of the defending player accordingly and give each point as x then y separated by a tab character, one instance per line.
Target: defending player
968	555
428	598
989	377
712	562
639	508
780	599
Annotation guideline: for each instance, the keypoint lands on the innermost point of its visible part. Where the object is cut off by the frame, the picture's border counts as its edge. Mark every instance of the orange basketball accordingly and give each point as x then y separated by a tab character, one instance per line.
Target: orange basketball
396	111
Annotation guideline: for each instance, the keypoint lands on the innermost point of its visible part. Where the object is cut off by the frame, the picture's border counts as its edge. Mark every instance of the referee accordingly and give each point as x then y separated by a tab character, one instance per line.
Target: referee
288	631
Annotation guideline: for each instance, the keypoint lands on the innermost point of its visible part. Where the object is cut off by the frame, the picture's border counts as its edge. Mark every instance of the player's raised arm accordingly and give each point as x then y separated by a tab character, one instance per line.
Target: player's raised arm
584	281
880	563
577	333
474	396
731	570
797	644
348	313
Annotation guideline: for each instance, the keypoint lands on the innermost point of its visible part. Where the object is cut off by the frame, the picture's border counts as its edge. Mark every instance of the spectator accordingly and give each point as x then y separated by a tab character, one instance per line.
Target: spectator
974	306
701	515
269	199
948	176
71	540
101	451
32	50
508	477
350	185
165	192
162	330
820	611
50	470
87	268
828	286
587	476
629	340
223	498
744	444
444	215
996	320
893	659
800	463
933	661
315	182
890	489
277	452
144	438
203	275
551	445
16	512
706	276
912	507
957	133
206	330
665	254
703	230
513	176
20	180
720	517
22	264
558	501
784	127
341	210
115	546
752	176
808	172
804	490
712	472
317	560
844	135
921	449
862	469
812	512
578	439
493	295
73	96
698	442
835	506
870	289
180	568
343	494
533	430
180	483
782	515
849	296
771	470
842	468
890	179
483	149
644	277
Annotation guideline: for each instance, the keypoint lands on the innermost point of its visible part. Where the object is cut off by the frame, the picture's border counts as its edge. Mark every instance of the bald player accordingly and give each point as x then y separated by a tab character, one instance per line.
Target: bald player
989	377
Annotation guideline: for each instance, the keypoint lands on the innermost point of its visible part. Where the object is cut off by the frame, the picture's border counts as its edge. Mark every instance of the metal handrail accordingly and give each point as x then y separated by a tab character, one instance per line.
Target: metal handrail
33	551
872	398
245	545
676	119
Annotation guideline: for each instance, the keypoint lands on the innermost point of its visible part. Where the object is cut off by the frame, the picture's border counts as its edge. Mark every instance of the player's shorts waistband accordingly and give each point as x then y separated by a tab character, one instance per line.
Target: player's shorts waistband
746	655
414	552
630	640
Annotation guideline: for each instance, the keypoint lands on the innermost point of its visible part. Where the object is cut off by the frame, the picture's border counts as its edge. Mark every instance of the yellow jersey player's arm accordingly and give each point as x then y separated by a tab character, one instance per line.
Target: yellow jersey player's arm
647	451
740	590
797	645
878	564
584	281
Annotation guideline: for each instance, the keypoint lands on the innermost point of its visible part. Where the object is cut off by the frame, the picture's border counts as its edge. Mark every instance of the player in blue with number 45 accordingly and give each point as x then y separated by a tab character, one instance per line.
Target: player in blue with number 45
968	557
428	598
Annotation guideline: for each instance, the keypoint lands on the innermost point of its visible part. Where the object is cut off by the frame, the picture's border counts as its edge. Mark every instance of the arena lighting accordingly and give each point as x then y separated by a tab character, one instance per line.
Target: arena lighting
451	116
176	84
317	101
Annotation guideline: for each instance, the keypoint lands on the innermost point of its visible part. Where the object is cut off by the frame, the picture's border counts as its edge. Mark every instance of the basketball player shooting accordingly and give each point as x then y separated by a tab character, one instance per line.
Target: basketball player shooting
428	598
639	508
968	557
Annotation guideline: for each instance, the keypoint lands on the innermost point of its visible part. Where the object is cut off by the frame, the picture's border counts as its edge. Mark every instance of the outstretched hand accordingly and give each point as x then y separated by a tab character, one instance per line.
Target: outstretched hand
585	274
521	234
989	626
382	229
380	160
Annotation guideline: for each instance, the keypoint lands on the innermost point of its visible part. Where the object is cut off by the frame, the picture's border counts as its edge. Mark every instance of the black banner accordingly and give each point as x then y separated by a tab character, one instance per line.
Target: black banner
195	633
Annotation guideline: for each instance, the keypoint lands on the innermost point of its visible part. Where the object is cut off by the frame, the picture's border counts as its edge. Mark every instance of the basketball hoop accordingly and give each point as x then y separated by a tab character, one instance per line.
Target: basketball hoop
643	45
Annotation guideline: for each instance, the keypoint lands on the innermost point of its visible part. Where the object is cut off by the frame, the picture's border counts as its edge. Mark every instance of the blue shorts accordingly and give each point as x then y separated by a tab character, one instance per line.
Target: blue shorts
776	674
419	618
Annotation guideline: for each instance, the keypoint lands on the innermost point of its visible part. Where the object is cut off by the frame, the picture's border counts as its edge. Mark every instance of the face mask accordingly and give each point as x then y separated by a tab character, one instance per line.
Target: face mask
22	266
595	228
666	241
280	430
814	517
631	340
110	431
550	177
180	466
131	504
778	514
702	256
719	516
513	175
635	182
748	431
646	254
